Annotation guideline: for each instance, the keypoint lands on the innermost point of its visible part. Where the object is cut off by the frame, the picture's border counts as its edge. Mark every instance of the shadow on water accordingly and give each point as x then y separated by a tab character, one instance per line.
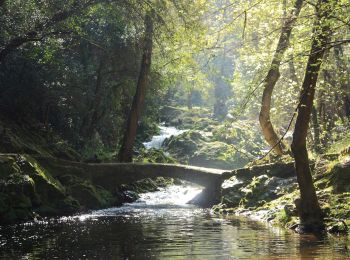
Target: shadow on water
156	228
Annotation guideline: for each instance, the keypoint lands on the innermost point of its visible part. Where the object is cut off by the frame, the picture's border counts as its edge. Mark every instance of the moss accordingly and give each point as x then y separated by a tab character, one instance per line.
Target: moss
31	138
193	148
272	158
218	155
154	156
283	216
183	118
21	201
256	192
86	194
340	146
184	144
25	187
245	134
33	167
331	187
142	186
339	205
8	166
164	182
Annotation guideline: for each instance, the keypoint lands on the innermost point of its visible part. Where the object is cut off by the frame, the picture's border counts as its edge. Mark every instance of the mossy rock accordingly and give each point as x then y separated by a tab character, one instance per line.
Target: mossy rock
15	207
18	183
339	177
285	215
88	195
26	187
337	227
197	122
163	182
217	155
254	192
339	205
245	134
14	215
8	167
142	186
63	207
154	156
171	114
231	191
183	118
34	139
272	158
183	144
193	148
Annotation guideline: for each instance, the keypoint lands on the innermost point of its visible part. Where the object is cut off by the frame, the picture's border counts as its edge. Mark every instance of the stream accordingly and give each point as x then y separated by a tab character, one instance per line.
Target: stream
161	225
165	132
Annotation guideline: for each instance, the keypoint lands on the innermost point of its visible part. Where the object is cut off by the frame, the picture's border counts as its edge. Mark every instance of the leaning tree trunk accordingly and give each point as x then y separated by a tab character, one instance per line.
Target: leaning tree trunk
126	149
309	211
272	77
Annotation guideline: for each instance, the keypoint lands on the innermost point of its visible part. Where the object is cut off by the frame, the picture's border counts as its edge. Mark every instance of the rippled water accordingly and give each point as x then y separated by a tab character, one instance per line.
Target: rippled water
162	226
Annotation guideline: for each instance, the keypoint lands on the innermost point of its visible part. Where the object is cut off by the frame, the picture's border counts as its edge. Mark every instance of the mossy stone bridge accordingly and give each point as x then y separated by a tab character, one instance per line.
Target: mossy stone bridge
111	175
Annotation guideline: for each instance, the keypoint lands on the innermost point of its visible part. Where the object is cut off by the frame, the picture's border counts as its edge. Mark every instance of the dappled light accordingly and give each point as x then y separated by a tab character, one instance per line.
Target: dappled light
174	129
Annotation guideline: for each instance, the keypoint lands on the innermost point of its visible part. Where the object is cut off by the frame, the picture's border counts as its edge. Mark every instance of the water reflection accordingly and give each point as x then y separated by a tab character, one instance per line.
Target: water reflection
162	230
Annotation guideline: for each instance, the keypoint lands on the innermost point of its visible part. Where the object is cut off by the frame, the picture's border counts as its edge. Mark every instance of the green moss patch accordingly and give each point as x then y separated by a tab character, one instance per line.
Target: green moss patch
154	156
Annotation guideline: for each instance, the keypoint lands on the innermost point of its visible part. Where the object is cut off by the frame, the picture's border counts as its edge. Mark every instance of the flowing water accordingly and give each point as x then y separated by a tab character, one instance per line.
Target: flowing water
165	132
162	226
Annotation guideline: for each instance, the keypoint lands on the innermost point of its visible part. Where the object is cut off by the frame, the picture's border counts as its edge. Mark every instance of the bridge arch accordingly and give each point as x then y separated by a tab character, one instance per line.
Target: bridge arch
111	175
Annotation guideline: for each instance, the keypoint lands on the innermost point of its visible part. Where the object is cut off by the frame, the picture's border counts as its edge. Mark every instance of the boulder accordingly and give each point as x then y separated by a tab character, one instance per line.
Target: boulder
195	149
339	177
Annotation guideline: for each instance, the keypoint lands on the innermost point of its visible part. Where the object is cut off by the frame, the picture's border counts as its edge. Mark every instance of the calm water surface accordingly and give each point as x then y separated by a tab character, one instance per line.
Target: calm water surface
162	226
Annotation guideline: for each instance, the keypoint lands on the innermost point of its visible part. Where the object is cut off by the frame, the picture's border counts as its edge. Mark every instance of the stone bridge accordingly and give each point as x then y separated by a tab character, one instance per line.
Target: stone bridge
111	175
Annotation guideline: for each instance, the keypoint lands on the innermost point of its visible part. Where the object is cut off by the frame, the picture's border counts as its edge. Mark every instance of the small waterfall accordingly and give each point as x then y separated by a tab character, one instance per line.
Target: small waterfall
174	196
165	132
178	195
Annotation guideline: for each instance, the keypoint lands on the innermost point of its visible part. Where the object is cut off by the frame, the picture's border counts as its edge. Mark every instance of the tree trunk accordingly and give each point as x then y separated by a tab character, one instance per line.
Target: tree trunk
309	211
316	128
37	33
126	149
93	116
96	106
271	79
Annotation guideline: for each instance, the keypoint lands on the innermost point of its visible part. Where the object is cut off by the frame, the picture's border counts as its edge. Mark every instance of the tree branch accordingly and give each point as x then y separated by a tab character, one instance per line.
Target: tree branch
36	34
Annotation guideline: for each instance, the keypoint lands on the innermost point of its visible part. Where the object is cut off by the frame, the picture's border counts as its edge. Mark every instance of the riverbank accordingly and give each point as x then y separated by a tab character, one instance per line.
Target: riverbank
269	193
29	190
